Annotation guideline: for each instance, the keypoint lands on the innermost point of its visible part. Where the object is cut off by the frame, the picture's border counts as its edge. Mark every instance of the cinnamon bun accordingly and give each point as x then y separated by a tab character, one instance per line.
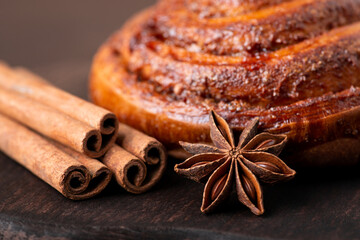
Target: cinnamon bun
293	64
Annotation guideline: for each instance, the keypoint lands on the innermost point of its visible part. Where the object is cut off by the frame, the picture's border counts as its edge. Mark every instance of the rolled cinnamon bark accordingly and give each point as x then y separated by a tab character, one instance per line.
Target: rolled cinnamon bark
76	179
138	161
50	122
83	127
141	145
99	126
129	171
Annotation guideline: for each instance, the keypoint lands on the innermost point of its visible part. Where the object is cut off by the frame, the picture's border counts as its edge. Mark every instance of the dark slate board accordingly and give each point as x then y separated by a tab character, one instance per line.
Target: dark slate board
313	206
57	40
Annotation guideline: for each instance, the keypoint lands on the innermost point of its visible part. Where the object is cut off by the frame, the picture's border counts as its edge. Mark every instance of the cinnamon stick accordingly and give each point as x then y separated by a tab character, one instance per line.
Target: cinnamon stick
53	110
140	161
72	174
129	171
141	145
137	161
49	122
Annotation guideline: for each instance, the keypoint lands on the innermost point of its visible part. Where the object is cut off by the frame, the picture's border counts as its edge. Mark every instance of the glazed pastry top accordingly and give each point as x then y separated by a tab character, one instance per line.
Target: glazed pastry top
284	61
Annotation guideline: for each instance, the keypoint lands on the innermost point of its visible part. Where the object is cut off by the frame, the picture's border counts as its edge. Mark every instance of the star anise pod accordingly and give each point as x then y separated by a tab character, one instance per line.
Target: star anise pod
253	158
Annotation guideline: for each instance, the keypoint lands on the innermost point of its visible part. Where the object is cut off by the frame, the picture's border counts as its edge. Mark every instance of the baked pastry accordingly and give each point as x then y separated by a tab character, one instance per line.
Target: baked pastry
294	64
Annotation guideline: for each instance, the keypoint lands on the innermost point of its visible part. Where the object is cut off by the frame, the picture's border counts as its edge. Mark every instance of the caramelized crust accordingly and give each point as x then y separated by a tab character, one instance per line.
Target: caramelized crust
295	64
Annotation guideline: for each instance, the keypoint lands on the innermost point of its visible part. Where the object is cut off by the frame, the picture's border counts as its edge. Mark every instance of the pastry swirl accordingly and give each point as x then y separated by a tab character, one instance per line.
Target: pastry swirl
294	64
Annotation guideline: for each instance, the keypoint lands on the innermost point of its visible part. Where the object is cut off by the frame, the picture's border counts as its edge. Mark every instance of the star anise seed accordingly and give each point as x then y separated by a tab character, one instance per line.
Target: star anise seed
249	188
199	163
254	157
266	143
269	166
218	186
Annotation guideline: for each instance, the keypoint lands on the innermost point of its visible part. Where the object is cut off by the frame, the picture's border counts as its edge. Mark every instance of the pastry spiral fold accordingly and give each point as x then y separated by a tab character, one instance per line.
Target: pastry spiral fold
293	64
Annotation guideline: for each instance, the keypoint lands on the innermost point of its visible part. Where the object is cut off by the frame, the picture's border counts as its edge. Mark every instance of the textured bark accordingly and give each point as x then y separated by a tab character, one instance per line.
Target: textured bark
72	174
49	110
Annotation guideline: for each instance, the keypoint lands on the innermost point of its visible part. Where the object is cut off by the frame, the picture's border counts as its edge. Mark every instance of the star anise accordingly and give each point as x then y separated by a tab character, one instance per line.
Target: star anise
253	158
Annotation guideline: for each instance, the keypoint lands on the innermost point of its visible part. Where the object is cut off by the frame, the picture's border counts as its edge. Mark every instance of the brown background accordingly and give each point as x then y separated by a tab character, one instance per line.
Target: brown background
57	39
46	36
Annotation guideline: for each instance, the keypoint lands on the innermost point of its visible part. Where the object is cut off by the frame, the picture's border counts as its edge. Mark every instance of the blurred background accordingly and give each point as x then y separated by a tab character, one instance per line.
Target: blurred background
57	39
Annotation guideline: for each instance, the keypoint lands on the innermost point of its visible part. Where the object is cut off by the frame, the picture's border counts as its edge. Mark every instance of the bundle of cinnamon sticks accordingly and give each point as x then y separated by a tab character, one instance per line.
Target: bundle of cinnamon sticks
70	143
